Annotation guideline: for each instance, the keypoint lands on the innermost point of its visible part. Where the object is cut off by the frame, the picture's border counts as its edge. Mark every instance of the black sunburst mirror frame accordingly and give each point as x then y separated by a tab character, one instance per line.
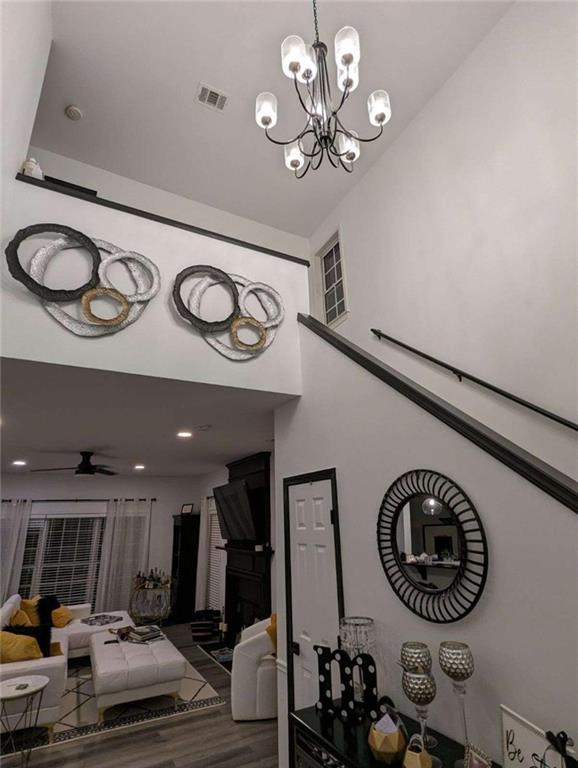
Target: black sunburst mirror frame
460	597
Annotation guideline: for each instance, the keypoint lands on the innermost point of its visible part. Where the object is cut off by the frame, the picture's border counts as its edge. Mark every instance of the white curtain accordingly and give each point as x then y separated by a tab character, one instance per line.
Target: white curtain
203	558
125	551
14	519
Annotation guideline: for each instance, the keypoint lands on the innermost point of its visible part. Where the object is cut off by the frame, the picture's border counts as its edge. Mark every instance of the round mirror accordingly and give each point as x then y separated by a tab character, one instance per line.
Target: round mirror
428	541
432	546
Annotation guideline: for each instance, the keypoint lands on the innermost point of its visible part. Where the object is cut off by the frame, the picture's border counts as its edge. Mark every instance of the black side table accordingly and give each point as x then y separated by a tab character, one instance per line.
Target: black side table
321	743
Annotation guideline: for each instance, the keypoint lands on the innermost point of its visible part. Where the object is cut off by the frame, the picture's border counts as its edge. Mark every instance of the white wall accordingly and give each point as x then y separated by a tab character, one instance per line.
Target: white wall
523	632
26	37
160	343
170	493
111	186
461	239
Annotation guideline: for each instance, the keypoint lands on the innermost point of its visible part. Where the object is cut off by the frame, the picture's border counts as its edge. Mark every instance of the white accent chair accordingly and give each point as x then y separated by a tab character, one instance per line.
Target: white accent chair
254	676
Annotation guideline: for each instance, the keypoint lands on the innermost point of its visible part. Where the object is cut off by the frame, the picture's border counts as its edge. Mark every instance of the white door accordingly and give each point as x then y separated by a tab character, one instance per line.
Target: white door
315	606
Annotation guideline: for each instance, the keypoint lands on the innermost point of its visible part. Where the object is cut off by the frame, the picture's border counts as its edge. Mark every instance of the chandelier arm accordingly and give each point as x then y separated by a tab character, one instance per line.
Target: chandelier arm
349	170
335	152
297	176
346	93
284	143
315	167
359	138
311	114
316	147
332	161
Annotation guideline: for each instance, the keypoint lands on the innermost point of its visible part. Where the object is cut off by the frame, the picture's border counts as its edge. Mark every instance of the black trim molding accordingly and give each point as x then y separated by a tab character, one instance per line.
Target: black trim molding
547	478
95	200
309	477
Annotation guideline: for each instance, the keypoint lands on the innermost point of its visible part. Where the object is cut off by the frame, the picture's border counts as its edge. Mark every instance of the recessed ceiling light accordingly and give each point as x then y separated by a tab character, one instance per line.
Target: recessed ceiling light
19	463
184	433
139	466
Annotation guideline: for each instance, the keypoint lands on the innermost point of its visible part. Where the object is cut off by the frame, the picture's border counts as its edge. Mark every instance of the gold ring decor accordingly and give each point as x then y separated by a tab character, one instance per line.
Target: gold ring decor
237	323
112	293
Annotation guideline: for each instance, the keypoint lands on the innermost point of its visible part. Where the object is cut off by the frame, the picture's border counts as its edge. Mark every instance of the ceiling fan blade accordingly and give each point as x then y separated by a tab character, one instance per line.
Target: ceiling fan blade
52	469
103	471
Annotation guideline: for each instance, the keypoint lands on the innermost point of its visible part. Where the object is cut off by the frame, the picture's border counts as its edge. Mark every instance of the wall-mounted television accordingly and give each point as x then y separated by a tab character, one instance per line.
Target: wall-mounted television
238	519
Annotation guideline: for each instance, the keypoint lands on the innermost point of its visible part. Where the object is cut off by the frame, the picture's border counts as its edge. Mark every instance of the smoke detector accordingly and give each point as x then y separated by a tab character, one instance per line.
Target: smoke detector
73	112
211	97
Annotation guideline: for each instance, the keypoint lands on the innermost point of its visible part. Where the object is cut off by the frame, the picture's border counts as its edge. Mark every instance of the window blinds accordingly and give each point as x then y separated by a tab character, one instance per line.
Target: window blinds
62	558
216	575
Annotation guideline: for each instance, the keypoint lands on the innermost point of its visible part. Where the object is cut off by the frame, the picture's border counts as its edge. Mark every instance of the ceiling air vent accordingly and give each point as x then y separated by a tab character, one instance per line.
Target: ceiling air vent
211	98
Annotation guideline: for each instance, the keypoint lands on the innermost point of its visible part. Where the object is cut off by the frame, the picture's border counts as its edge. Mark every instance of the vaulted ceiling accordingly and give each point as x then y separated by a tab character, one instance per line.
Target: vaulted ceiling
134	68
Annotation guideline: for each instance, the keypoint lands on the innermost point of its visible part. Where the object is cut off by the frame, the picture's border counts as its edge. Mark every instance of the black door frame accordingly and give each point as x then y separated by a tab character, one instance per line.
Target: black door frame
309	477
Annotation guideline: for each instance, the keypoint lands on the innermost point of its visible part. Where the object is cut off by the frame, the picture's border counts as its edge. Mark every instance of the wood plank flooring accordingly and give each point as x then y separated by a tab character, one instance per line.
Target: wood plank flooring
206	740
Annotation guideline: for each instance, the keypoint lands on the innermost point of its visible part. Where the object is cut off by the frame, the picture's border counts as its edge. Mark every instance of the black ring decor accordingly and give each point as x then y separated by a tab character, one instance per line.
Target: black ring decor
49	294
205	325
459	598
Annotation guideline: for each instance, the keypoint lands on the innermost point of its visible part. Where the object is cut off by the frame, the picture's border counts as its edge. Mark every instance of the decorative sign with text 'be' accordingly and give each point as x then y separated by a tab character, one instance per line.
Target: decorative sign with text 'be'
524	745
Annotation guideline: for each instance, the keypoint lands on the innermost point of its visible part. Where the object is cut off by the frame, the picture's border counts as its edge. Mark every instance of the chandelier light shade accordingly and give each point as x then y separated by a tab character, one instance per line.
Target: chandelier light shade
347	78
348	146
347	50
324	134
293	55
379	108
294	157
266	110
308	71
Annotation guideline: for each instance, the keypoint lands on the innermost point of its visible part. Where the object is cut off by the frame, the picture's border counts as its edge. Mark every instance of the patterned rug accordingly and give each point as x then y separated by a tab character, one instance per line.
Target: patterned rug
79	713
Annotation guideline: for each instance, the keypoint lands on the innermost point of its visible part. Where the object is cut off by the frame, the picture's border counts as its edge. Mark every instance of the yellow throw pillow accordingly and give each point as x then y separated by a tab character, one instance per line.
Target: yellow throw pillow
61	616
20	619
271	630
18	648
30	608
55	649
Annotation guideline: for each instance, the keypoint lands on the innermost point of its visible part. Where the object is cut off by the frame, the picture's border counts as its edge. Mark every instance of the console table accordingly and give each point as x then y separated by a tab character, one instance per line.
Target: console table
319	743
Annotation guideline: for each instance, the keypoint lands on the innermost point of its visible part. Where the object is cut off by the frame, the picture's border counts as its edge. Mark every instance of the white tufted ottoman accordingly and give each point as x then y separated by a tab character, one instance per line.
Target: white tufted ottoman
124	671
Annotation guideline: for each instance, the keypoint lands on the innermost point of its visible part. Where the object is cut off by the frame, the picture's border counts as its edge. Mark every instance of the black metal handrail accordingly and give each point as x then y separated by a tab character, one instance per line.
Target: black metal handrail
480	382
534	470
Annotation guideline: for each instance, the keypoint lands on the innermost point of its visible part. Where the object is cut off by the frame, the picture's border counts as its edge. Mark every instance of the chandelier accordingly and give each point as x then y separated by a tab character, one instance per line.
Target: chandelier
324	134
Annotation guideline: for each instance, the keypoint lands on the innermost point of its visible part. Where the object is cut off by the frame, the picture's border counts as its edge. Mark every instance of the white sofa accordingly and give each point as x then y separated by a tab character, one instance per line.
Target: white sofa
254	675
74	641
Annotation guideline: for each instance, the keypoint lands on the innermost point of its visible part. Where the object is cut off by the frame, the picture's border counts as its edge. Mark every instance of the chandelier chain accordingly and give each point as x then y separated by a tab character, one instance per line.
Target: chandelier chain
315	21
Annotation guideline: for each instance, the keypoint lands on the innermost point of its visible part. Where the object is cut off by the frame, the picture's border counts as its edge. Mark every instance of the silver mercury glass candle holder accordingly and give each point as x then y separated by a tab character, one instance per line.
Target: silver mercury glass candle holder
416	656
420	689
457	663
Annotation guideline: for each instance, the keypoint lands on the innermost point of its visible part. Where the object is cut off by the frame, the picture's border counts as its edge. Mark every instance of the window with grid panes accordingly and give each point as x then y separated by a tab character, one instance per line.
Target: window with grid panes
333	288
62	557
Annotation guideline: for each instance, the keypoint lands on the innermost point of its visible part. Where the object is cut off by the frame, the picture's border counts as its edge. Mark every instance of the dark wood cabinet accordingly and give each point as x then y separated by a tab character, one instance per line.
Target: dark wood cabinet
184	566
248	572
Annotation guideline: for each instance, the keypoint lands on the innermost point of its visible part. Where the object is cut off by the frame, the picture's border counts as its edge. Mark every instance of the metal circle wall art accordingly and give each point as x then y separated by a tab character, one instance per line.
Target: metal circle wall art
267	297
437	564
144	273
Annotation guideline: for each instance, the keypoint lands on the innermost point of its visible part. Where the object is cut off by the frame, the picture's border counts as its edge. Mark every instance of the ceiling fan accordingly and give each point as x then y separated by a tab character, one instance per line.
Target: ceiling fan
85	467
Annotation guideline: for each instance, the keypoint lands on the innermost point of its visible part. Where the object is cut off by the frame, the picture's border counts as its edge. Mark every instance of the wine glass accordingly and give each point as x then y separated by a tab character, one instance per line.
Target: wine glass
457	662
420	689
416	656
